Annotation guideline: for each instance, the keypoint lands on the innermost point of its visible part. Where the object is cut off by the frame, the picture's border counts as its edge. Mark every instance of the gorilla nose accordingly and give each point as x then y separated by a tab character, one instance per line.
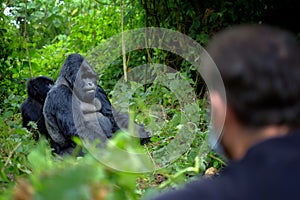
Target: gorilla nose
90	86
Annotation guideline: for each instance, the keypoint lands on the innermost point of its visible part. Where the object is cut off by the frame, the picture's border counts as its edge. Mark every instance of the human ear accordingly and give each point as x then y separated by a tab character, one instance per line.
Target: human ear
218	111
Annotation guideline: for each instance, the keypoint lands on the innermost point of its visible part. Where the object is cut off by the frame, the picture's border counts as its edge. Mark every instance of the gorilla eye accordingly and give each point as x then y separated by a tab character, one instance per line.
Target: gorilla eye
85	76
89	75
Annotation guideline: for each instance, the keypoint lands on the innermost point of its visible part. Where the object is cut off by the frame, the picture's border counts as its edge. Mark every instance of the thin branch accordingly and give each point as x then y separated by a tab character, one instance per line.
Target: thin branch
123	43
8	159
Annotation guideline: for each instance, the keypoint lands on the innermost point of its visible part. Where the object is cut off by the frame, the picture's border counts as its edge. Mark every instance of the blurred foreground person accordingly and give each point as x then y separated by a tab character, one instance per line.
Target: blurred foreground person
260	67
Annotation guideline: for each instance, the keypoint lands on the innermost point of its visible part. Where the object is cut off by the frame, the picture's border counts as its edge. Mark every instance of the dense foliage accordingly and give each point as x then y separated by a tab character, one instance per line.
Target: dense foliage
36	37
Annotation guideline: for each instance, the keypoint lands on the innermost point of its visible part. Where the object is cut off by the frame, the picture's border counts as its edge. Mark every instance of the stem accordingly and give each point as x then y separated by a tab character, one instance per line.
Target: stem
189	169
218	159
123	44
8	159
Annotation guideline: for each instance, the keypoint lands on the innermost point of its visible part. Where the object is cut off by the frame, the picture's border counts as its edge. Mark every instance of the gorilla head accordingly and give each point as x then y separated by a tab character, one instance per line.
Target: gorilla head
70	68
80	77
37	88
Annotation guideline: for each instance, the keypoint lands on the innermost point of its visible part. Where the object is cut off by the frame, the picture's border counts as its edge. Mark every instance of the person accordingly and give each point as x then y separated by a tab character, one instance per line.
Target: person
260	68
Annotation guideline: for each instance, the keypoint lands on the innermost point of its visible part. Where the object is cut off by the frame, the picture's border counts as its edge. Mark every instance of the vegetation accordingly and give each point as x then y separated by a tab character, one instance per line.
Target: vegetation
36	37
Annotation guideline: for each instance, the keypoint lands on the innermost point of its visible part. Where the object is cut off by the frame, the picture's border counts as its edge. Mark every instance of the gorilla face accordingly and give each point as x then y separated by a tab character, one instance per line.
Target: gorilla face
80	77
86	83
37	88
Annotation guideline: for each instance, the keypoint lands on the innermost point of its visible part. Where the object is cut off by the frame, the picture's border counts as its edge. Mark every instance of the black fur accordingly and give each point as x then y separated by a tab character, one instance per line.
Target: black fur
32	107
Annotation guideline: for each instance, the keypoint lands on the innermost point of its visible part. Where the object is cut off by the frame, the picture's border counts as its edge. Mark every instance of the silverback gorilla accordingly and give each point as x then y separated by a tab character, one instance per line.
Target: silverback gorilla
32	107
77	106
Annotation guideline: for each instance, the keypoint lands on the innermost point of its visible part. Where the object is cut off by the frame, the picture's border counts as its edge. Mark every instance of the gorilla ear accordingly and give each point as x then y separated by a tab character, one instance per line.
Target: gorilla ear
30	81
29	84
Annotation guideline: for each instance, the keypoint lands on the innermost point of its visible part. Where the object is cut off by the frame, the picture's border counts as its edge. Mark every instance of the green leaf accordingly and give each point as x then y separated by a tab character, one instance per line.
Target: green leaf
74	11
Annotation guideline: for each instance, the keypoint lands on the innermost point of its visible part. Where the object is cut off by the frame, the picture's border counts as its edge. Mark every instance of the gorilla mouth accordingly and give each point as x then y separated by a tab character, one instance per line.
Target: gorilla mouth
90	91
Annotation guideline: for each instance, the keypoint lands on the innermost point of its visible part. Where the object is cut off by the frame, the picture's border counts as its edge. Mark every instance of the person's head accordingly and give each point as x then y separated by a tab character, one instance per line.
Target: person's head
260	67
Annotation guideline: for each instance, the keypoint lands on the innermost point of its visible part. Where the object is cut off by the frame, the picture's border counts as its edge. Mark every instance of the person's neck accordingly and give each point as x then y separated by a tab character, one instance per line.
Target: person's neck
247	137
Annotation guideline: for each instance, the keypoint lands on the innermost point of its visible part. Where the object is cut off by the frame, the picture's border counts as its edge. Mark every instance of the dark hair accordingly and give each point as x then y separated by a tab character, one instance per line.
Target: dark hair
70	68
260	67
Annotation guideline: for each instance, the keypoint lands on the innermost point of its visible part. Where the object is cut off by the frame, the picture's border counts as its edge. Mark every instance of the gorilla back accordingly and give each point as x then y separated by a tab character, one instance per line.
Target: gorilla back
32	107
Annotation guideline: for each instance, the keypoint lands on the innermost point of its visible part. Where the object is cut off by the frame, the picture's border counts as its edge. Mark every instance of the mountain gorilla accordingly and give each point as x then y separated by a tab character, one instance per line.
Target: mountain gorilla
32	107
77	106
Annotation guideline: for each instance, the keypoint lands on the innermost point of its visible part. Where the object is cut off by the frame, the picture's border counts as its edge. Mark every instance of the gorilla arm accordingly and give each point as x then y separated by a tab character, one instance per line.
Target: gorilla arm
59	116
106	107
31	110
120	119
123	121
